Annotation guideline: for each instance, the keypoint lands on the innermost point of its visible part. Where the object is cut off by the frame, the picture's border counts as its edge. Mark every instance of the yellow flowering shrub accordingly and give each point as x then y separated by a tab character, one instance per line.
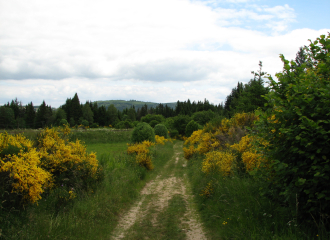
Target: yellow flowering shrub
219	141
20	172
26	172
218	161
189	152
194	138
58	155
250	157
142	152
162	140
244	145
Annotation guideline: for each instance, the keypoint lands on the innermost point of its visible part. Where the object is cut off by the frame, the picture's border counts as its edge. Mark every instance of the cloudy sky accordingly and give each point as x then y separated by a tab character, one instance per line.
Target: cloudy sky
148	50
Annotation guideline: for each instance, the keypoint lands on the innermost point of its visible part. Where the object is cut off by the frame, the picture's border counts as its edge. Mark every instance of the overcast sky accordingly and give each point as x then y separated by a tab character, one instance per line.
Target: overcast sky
147	50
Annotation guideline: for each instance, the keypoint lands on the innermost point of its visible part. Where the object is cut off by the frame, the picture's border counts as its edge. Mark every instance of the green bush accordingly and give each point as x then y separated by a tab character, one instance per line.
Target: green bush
124	125
180	123
143	131
296	124
191	127
203	117
153	123
63	122
85	123
94	125
161	130
150	117
174	133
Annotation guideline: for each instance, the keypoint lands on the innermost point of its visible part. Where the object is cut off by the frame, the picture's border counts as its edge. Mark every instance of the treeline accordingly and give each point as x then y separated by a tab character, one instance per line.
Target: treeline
243	98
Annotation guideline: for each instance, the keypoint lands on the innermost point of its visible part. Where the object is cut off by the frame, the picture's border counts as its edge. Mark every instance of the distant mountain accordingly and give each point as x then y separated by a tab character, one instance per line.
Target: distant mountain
122	104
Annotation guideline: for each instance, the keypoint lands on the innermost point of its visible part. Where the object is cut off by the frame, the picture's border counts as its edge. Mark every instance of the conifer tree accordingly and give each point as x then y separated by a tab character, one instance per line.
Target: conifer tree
43	115
76	109
30	115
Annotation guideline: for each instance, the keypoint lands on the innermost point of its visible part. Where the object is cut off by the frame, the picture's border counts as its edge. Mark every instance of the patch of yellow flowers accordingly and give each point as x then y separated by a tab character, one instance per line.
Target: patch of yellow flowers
217	144
143	156
28	171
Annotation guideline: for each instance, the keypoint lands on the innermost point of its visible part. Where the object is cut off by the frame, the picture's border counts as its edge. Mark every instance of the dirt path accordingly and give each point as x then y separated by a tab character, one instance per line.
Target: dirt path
165	209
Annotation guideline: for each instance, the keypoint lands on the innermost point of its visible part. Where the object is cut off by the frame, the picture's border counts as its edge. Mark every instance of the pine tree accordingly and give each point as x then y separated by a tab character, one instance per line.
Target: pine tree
30	115
43	115
76	109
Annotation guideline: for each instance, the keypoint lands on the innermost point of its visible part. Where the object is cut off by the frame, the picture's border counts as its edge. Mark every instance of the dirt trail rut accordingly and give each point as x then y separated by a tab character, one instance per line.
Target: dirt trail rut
155	197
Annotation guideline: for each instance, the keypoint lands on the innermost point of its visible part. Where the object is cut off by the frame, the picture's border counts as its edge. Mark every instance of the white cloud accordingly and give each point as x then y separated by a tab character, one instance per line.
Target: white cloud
155	50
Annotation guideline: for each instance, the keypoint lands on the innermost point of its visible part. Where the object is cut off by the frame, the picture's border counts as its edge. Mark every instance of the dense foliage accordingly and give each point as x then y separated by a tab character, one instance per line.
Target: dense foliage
190	128
296	124
28	169
161	130
143	132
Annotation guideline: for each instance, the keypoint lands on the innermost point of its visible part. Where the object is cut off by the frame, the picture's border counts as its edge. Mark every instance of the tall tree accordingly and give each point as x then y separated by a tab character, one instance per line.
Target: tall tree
102	118
7	117
112	115
88	113
30	115
131	114
75	109
43	115
59	115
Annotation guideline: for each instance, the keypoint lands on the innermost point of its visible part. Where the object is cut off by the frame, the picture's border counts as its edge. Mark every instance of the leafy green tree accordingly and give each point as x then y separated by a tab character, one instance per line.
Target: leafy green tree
203	117
131	114
72	122
87	113
84	122
150	117
180	123
63	122
191	127
124	125
153	123
59	116
169	123
112	113
143	132
161	130
296	125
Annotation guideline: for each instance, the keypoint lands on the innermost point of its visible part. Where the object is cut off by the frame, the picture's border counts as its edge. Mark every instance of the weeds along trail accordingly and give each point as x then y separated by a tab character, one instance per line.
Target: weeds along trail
165	208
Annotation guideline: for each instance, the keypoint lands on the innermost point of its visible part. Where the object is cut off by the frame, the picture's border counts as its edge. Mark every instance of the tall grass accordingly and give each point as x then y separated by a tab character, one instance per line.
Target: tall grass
234	209
91	136
94	213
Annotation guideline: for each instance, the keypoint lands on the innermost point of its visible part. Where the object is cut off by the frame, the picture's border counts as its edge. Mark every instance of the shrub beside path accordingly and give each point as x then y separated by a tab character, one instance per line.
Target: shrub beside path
166	209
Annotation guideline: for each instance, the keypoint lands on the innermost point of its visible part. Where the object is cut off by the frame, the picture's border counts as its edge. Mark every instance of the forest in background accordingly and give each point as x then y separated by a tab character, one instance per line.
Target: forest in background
244	97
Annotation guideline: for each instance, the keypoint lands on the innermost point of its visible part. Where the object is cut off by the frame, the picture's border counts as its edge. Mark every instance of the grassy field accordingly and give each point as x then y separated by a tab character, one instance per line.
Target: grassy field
95	213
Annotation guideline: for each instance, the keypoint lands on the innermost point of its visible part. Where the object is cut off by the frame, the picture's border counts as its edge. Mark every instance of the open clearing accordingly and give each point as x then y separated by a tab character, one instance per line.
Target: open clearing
165	209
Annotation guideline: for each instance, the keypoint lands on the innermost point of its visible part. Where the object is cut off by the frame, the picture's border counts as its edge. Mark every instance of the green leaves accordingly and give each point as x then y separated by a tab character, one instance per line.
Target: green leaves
296	124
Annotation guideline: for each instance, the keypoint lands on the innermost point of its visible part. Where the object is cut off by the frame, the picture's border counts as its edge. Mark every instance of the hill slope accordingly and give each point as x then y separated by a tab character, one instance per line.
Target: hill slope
122	104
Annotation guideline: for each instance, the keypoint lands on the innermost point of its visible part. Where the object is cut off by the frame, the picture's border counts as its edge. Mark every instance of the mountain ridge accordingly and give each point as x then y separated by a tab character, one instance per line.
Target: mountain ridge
122	104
